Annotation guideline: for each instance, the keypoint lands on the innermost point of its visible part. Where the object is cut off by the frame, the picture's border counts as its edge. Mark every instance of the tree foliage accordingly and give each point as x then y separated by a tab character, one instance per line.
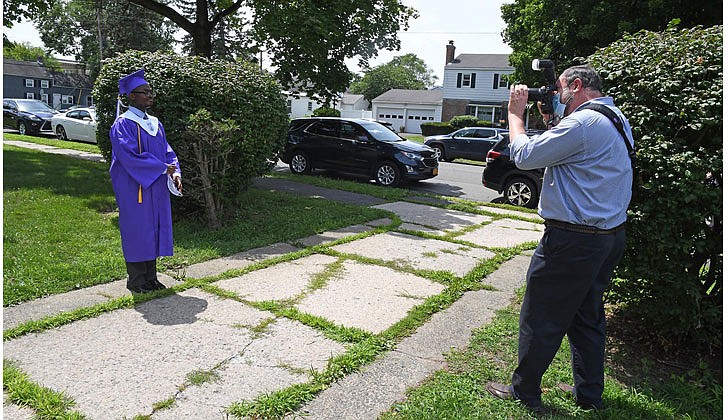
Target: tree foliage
403	72
670	85
72	28
307	41
226	120
17	10
567	30
23	51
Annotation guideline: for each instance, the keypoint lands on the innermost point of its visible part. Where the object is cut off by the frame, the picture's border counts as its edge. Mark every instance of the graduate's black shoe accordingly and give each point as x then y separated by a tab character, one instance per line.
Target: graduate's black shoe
139	289
155	285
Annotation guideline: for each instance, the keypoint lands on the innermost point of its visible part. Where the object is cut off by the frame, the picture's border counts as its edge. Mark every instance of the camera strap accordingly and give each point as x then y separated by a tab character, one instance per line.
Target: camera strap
614	118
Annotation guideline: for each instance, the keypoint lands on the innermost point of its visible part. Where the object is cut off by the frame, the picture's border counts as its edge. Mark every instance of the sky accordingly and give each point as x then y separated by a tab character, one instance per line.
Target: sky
475	26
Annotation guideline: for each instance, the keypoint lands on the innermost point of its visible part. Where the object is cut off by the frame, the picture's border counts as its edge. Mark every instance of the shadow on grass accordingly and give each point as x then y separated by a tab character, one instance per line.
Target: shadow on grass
28	169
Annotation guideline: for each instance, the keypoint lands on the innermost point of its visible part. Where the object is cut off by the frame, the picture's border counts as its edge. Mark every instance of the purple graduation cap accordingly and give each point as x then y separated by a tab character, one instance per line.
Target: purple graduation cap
127	84
131	82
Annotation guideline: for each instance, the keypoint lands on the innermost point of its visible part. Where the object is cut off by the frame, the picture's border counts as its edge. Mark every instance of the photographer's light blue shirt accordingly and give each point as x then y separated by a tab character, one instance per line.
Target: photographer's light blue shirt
588	178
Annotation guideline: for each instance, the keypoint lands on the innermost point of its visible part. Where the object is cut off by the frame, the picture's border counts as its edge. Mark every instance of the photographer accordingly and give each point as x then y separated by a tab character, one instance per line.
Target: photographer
587	187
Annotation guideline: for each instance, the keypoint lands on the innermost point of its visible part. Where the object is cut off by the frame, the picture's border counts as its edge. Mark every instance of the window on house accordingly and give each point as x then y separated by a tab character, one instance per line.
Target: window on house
288	105
29	83
466	80
67	99
310	106
90	101
44	84
29	95
44	98
503	81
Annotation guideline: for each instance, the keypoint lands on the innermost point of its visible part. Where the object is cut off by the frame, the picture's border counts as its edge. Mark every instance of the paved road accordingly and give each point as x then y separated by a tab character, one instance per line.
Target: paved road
460	180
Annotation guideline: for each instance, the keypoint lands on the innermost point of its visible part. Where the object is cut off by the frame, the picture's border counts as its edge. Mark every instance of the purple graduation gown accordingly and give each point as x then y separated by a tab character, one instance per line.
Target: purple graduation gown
146	227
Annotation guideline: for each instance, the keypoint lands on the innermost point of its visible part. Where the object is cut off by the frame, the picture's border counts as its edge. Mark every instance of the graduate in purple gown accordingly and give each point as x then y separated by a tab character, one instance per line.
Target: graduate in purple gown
141	164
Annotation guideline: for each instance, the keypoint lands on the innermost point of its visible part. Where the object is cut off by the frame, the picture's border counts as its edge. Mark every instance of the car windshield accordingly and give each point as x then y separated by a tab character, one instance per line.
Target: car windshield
380	132
33	106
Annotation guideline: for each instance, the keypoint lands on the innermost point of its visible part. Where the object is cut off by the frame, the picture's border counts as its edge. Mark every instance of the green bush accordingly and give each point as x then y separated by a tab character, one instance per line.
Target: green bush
670	86
436	128
326	112
236	99
461	121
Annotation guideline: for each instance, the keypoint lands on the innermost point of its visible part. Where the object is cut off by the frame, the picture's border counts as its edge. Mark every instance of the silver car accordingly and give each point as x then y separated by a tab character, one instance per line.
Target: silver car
75	124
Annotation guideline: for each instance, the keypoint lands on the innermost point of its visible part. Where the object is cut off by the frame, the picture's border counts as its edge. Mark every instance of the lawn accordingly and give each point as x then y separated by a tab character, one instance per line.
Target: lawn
61	226
60	233
52	141
637	386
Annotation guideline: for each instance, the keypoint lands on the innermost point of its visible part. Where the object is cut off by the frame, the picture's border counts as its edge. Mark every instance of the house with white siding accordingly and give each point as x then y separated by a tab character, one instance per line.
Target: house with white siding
475	84
353	105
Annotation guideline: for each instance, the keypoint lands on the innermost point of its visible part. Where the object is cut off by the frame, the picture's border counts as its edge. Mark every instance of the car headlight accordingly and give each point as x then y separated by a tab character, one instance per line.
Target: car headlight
411	155
34	118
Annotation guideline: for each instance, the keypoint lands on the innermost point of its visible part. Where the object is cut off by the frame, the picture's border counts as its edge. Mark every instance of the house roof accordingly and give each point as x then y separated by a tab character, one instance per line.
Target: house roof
479	61
38	71
25	68
351	98
424	97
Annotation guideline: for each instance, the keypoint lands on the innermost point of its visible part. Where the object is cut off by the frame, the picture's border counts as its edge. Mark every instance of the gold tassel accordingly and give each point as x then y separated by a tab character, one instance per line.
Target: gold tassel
139	142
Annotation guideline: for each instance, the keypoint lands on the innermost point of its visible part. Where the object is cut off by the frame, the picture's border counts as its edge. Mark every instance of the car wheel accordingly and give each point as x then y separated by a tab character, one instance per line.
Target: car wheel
61	133
521	192
439	152
22	128
387	174
300	164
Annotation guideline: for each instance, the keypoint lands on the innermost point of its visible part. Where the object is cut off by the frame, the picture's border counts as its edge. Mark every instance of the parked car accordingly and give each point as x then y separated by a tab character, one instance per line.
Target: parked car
75	124
28	116
356	146
467	143
519	187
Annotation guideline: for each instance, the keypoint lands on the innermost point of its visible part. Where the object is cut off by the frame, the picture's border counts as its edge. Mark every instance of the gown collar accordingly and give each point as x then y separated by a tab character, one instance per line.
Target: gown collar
150	124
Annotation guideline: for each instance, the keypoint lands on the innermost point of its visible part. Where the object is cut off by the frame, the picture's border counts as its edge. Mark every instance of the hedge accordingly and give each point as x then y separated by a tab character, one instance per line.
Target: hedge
225	120
670	86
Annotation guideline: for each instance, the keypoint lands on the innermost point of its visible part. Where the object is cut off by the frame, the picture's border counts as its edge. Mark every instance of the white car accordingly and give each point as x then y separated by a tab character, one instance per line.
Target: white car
75	124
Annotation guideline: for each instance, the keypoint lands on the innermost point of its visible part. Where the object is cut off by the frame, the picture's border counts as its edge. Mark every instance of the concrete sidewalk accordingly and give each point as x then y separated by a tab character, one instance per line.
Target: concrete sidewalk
124	362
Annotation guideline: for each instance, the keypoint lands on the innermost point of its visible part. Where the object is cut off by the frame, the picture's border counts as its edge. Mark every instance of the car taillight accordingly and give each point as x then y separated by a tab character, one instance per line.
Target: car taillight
491	156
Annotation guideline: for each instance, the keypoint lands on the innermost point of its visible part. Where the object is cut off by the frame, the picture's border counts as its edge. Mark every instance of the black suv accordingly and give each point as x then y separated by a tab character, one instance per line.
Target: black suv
519	187
467	143
28	116
356	146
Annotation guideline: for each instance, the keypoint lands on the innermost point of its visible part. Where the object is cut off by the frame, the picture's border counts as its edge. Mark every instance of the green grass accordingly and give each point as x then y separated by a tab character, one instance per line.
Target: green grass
52	141
61	228
458	392
60	231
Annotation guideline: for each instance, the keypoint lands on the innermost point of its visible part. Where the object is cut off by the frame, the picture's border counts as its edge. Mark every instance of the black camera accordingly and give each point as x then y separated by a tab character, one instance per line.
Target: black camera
544	94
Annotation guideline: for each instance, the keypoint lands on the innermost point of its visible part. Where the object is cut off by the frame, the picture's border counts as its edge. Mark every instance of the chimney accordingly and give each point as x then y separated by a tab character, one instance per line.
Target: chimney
450	52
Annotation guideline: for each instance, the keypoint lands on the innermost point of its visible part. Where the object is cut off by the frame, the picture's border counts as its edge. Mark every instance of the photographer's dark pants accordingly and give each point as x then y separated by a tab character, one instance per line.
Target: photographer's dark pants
566	279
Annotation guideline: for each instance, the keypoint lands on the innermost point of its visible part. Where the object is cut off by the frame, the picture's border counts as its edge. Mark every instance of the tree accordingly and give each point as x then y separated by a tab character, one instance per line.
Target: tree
566	31
307	41
25	52
73	27
403	72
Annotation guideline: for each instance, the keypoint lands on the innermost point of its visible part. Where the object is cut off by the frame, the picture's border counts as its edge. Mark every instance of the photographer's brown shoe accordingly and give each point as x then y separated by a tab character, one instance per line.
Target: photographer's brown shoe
505	392
500	391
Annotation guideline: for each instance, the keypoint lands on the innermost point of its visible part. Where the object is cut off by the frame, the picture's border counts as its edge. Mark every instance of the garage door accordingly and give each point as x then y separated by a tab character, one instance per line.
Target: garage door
415	117
395	116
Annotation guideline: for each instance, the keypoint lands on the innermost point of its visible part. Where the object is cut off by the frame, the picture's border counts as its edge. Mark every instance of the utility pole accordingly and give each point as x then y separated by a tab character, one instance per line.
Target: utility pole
98	26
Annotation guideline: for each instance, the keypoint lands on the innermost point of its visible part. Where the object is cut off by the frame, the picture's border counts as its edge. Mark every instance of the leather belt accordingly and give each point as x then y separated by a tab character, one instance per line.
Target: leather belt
571	227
